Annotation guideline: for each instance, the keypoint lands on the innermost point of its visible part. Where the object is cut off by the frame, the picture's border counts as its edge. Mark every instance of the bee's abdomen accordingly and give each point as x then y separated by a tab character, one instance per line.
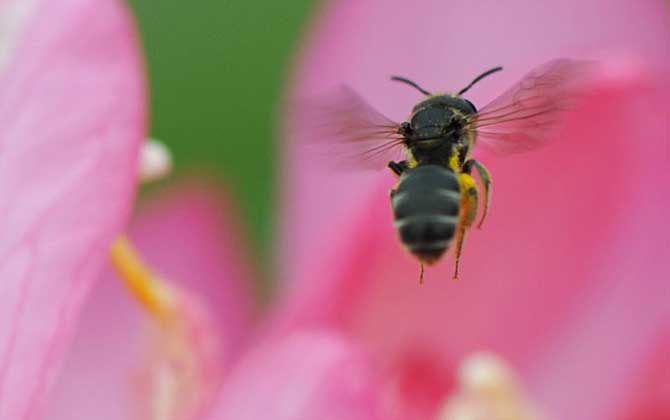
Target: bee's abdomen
426	206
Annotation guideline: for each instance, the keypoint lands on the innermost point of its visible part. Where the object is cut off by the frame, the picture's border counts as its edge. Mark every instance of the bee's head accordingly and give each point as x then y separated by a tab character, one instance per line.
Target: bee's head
462	105
438	119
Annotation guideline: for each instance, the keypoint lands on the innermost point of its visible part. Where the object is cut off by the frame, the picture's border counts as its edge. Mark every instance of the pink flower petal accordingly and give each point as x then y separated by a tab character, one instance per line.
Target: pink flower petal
189	236
72	117
651	385
629	312
103	361
301	376
193	237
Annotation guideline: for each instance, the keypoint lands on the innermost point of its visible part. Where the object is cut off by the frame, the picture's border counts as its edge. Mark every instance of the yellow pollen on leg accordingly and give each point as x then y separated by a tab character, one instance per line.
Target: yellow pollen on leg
455	162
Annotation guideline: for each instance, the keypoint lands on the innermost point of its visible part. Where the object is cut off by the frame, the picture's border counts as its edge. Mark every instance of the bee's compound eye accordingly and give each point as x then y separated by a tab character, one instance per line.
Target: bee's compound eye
474	109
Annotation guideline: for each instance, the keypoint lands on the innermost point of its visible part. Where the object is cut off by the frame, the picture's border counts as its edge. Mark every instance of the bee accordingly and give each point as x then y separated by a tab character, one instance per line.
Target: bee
436	199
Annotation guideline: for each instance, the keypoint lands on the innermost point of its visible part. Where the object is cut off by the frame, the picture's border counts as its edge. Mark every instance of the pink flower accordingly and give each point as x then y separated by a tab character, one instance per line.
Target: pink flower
72	116
568	278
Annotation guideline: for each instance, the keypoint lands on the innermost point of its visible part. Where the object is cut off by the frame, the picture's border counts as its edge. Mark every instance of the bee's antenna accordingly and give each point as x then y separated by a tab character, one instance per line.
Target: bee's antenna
421	275
411	83
478	78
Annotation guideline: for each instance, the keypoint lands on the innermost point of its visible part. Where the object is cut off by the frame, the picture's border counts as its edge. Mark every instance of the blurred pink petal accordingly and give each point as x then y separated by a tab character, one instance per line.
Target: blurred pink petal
573	226
193	237
189	235
72	113
301	376
627	313
103	359
651	382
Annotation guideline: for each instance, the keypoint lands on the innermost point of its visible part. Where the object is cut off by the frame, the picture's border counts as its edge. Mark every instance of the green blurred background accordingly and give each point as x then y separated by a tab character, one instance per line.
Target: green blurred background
216	70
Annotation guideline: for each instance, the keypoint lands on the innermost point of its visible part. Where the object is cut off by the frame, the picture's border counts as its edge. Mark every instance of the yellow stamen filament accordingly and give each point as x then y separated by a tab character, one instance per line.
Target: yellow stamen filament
180	367
151	292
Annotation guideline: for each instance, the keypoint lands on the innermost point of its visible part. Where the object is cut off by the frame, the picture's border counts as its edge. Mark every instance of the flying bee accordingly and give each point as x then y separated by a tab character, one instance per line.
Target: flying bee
436	199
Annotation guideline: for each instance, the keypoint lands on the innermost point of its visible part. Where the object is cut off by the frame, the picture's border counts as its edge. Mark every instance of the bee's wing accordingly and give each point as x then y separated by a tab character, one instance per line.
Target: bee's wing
523	117
347	133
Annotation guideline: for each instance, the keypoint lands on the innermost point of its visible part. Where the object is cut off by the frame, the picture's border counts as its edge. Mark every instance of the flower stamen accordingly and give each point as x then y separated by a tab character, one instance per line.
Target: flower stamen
488	390
154	295
155	161
183	363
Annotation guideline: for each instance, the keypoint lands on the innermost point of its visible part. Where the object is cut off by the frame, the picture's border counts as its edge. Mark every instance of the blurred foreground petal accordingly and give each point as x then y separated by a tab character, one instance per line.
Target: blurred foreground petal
189	236
651	382
626	313
301	376
72	117
192	234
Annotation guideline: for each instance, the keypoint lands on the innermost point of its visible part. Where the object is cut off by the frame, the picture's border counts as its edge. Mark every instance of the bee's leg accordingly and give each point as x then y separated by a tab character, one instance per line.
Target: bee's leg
487	181
469	201
398	167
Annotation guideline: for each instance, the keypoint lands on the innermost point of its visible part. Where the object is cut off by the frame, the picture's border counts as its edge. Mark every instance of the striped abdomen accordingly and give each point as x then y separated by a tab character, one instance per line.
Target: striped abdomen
426	207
